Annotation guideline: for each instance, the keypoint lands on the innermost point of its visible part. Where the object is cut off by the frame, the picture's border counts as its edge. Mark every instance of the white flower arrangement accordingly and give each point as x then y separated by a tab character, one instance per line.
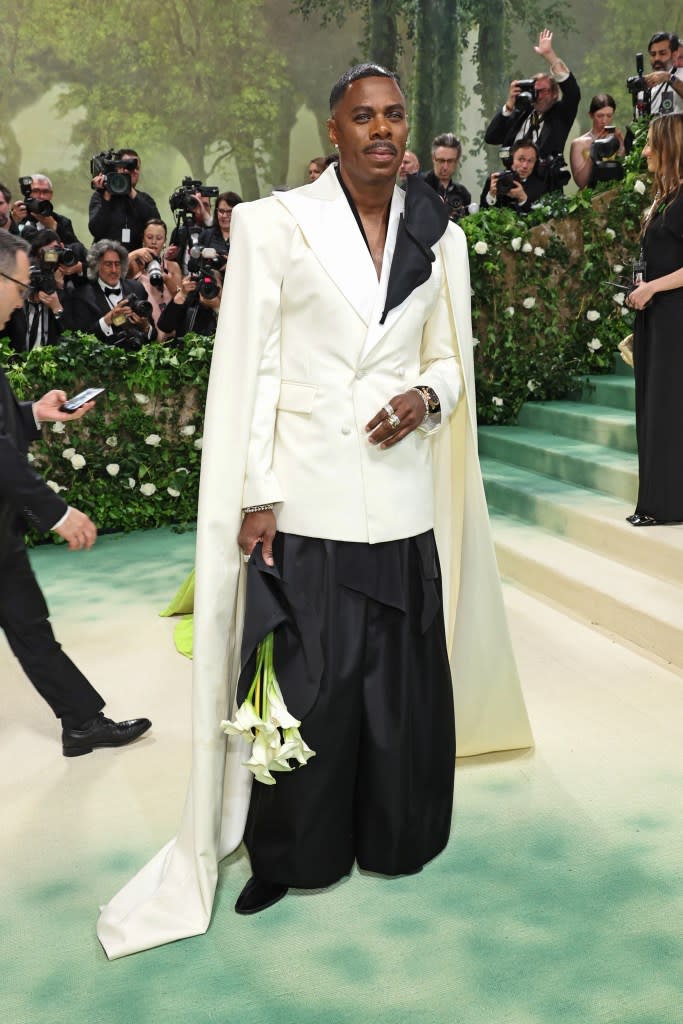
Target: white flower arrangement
592	316
611	233
594	344
68	453
153	440
77	461
113	468
498	402
148	490
58	427
140	398
527	247
188	430
264	719
481	248
539	251
529	302
516	244
173	492
639	187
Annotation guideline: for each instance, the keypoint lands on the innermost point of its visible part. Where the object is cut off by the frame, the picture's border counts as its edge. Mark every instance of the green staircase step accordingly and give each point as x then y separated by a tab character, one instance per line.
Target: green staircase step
615	391
600	424
586	517
578	462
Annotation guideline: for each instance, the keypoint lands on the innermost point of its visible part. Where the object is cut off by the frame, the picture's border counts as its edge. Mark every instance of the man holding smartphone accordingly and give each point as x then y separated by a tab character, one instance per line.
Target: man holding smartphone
26	499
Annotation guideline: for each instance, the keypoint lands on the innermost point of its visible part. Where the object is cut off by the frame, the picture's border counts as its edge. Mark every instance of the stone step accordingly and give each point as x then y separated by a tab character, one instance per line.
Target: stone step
593	520
636	606
577	462
600	424
616	391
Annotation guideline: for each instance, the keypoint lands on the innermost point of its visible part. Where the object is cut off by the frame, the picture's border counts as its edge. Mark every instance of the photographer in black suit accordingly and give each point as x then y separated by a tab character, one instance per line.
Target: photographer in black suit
108	306
519	187
35	212
40	320
547	118
26	500
121	217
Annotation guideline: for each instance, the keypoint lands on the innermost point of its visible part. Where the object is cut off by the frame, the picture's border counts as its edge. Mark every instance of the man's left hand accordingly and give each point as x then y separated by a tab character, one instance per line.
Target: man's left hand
518	194
409	408
46	409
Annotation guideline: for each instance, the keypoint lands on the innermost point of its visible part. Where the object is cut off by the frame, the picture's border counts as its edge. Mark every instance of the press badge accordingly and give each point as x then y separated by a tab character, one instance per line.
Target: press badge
125	235
639	272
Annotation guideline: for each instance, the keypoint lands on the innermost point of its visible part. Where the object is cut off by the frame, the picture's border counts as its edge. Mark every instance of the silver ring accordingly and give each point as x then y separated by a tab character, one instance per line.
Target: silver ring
393	421
389	409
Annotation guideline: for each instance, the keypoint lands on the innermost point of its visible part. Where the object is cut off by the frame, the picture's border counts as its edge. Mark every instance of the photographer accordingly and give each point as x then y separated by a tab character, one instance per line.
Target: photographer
191	207
446	153
43	316
542	112
114	309
120	215
35	211
665	81
586	170
195	306
218	235
5	215
518	187
161	278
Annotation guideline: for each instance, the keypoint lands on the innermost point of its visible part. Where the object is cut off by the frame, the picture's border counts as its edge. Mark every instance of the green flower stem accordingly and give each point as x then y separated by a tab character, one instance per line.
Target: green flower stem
264	675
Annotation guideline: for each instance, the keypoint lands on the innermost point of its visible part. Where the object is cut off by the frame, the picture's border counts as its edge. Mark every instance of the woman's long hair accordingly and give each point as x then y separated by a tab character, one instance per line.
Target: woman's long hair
666	139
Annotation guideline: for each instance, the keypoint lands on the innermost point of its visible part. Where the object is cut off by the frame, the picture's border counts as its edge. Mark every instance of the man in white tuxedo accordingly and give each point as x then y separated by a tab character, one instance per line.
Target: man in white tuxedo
340	449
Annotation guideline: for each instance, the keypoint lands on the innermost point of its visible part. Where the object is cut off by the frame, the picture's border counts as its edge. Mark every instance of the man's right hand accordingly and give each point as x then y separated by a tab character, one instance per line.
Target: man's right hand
77	530
513	93
258	526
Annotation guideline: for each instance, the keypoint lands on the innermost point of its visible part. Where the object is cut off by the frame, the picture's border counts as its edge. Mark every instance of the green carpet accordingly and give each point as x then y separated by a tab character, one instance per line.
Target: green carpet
559	898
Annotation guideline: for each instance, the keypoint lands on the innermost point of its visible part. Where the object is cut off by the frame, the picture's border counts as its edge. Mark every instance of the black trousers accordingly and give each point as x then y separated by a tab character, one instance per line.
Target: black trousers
380	788
24	617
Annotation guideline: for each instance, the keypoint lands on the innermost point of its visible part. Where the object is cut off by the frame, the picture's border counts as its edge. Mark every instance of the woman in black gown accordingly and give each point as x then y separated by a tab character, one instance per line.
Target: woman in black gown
658	335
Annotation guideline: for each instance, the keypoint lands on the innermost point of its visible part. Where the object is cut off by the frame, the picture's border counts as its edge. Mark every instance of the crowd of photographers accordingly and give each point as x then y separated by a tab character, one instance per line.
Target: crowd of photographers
130	286
135	284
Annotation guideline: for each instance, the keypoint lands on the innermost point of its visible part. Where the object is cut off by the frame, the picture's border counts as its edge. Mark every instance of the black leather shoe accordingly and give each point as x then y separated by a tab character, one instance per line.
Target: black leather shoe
101	732
640	519
258	895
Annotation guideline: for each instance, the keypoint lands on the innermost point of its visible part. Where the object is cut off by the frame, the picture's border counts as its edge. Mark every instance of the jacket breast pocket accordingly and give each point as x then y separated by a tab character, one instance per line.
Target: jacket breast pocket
296	397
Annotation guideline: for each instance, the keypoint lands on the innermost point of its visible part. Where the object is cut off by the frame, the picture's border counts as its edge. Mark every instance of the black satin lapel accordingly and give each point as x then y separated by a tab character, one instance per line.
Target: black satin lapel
422	224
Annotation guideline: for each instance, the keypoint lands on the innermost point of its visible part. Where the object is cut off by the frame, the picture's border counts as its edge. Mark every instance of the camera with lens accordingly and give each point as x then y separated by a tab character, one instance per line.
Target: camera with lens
43	207
204	267
553	171
155	275
637	86
602	151
506	182
116	170
141	307
184	200
42	271
526	95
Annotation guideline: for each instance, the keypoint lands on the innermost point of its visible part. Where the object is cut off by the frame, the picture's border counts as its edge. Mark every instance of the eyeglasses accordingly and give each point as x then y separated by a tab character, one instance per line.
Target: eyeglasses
23	288
36	191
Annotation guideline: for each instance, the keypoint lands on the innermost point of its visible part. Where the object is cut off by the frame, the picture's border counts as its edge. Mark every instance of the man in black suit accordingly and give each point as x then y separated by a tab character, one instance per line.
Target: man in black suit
103	306
548	121
38	212
523	190
26	499
121	217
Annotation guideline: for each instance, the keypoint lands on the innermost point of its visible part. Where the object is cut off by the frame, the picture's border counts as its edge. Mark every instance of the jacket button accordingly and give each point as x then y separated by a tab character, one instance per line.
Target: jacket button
346	430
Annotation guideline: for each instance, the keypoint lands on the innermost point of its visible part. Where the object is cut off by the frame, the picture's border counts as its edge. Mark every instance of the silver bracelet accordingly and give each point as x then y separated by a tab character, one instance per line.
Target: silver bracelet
424	398
257	508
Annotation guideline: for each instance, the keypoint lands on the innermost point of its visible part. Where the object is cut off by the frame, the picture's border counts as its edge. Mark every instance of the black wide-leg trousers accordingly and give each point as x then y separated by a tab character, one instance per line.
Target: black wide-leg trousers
24	617
380	788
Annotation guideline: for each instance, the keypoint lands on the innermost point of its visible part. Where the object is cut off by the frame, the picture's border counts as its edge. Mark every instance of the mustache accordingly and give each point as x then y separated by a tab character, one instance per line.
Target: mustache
381	145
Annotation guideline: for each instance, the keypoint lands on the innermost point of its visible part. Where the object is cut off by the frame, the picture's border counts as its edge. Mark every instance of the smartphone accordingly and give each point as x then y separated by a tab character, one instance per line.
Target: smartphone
75	403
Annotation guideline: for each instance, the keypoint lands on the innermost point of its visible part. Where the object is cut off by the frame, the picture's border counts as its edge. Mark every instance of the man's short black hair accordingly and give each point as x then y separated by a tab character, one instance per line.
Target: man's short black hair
524	144
664	37
10	246
449	140
353	74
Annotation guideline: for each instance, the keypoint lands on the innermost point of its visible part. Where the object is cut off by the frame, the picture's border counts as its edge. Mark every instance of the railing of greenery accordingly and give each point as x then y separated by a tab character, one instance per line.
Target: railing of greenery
544	316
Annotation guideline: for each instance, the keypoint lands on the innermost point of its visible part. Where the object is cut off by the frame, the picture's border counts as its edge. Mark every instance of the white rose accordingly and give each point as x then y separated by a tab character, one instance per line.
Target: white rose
639	187
58	427
29	456
54	486
509	311
152	440
592	315
594	344
481	248
141	399
113	469
529	302
516	244
172	491
131	483
625	311
527	247
532	384
197	352
148	490
198	443
77	461
497	401
68	453
610	233
619	298
189	430
475	342
617	268
112	441
538	251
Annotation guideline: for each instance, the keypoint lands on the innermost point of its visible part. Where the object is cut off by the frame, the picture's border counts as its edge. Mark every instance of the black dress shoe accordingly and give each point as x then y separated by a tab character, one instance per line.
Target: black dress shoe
258	895
640	519
101	732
